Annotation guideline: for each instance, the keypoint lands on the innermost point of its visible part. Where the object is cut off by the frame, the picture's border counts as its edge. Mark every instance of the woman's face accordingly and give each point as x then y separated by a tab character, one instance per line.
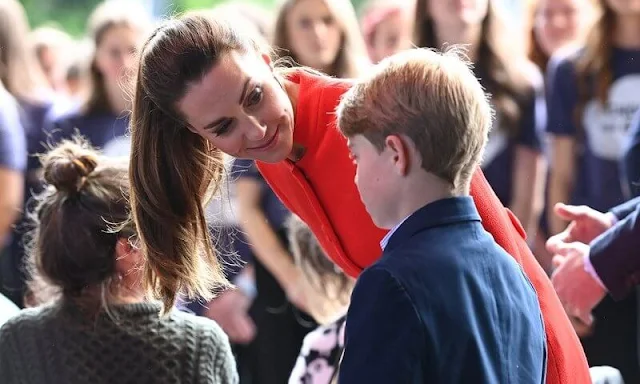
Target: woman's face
314	34
115	54
561	22
391	35
457	13
241	108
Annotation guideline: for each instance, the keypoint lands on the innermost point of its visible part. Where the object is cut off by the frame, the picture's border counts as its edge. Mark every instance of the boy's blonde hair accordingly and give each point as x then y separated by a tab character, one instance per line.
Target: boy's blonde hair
433	99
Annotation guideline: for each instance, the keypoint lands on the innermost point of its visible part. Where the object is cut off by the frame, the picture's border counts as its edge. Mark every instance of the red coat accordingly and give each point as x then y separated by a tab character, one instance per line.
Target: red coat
320	189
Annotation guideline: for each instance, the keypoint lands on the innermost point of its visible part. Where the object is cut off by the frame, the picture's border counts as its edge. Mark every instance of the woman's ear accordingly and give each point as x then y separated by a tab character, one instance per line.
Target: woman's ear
267	60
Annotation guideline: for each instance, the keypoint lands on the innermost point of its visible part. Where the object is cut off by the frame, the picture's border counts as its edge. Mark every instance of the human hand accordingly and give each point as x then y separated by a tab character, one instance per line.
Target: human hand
579	292
586	224
229	310
581	329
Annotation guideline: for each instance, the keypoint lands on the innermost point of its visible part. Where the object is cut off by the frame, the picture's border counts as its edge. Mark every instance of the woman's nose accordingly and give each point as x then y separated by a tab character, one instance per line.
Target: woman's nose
255	130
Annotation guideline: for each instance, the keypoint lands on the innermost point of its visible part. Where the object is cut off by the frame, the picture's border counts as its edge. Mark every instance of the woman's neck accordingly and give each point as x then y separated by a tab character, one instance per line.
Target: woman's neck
129	290
627	31
467	35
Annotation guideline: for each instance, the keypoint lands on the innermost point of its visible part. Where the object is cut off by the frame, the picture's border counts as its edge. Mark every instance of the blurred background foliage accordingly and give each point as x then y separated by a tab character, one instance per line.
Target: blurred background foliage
71	15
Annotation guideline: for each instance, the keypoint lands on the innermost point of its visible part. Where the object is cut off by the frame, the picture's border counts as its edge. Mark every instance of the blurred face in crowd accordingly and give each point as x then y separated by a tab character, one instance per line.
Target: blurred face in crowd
391	35
561	22
314	34
49	61
457	13
115	53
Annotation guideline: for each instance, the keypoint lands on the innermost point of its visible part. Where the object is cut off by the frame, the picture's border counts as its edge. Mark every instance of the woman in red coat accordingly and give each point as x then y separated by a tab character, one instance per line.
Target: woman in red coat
204	89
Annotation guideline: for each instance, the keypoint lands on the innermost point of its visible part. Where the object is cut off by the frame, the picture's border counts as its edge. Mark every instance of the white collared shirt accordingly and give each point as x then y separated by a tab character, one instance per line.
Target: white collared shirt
385	239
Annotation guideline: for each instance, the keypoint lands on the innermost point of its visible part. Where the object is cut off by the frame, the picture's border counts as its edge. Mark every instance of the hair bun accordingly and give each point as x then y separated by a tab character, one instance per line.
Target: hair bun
67	166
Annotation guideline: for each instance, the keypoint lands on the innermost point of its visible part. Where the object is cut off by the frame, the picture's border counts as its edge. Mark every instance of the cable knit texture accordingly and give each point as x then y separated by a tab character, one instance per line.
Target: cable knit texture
60	344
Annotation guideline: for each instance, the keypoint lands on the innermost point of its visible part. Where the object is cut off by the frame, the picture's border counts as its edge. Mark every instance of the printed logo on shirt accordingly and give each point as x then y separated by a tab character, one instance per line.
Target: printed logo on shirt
606	126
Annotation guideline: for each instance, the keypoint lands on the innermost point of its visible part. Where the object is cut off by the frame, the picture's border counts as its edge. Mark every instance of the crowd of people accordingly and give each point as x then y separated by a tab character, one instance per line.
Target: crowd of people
316	195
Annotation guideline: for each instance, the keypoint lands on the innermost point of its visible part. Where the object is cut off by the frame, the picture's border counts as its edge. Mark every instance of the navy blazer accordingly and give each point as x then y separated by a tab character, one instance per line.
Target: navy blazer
630	161
444	304
614	253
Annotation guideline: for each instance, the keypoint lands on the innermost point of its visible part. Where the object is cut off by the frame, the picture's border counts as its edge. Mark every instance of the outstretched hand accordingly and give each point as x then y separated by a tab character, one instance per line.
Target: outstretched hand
578	291
585	225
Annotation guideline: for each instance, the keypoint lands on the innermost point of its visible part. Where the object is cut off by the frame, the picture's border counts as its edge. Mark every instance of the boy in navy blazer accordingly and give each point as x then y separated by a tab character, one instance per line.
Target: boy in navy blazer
444	304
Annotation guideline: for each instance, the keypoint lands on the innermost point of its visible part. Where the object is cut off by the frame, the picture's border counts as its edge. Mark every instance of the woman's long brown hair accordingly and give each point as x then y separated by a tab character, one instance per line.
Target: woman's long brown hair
19	70
594	74
174	171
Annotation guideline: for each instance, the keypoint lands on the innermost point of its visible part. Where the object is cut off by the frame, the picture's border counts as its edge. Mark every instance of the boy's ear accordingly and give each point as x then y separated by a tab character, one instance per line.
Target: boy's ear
399	152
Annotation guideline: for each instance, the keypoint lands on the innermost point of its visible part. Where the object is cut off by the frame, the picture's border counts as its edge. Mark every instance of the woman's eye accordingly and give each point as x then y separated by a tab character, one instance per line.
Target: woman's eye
255	97
223	128
305	23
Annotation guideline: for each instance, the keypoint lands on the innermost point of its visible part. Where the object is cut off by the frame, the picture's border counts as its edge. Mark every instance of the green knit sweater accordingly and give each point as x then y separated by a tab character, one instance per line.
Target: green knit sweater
59	344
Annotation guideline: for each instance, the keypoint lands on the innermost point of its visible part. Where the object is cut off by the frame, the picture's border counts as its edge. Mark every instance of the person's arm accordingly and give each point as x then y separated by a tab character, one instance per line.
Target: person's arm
623	210
561	178
263	240
529	171
561	133
613	256
630	162
11	195
384	342
528	189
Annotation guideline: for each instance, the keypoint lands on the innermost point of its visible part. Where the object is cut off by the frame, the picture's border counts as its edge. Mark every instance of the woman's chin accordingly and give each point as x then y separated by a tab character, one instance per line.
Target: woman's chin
276	154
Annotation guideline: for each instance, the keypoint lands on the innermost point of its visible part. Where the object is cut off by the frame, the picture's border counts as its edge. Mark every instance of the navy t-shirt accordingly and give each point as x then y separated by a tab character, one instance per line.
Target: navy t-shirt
499	157
13	145
33	118
605	126
98	128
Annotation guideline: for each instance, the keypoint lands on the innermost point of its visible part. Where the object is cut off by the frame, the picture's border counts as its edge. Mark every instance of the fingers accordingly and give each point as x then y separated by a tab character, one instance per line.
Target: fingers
557	260
570	212
554	241
568	249
585	317
561	238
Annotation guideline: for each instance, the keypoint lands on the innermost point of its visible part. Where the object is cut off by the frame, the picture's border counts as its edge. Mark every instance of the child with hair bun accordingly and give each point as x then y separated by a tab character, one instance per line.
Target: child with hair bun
97	325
